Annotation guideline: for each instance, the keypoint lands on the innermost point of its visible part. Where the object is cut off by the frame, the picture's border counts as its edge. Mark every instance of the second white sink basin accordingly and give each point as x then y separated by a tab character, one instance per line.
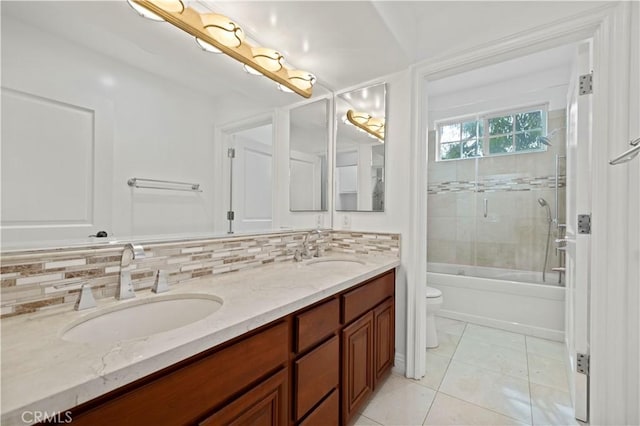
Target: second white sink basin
334	261
141	318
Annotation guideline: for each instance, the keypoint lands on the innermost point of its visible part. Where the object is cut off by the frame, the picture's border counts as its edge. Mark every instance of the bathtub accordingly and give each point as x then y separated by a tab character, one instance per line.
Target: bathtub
510	300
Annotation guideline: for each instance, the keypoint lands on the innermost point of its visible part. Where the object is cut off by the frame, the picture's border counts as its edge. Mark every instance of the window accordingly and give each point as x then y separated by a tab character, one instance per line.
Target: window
493	134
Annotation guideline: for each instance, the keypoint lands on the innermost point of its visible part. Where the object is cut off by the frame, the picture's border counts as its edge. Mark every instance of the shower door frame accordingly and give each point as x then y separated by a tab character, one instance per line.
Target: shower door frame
614	395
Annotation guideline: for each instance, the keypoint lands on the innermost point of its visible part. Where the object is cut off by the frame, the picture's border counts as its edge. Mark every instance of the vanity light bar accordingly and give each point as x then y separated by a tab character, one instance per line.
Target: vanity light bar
230	41
365	122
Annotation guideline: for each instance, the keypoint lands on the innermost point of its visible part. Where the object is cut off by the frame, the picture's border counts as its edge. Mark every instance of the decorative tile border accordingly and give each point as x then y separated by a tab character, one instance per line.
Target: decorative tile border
37	280
498	183
365	243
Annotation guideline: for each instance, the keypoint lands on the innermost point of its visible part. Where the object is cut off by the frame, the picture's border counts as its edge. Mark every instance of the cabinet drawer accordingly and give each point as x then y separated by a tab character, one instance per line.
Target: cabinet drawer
314	325
315	375
325	414
362	299
186	394
265	404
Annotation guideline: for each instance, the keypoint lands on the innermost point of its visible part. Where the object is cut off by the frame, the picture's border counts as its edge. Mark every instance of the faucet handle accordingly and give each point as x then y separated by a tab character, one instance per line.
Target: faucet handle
85	299
162	283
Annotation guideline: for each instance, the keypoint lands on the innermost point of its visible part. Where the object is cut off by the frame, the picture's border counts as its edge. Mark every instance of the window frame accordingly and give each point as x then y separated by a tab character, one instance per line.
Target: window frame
483	119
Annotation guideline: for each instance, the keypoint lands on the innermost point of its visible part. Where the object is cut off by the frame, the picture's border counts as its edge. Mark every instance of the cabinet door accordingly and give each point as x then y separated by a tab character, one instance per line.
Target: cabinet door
384	342
357	365
264	405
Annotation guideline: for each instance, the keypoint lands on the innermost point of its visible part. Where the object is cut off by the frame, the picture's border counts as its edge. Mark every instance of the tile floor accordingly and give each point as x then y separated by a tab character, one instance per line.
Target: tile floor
478	376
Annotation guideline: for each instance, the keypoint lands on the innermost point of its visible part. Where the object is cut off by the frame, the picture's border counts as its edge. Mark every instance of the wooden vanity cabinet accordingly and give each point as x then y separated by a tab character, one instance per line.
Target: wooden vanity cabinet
194	389
317	366
368	341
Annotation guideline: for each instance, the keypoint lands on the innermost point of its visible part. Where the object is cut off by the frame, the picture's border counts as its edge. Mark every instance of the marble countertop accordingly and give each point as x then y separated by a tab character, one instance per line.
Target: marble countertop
42	372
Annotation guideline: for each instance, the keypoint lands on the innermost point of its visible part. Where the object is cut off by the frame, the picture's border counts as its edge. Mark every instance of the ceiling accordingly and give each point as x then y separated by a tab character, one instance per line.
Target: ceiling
347	42
344	43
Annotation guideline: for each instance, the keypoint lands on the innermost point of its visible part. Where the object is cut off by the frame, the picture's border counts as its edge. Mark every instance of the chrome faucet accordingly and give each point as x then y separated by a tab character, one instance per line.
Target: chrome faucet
306	251
125	288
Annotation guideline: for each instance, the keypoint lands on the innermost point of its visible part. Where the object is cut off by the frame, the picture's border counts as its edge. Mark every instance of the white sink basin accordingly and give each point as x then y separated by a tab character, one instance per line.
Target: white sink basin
141	318
334	261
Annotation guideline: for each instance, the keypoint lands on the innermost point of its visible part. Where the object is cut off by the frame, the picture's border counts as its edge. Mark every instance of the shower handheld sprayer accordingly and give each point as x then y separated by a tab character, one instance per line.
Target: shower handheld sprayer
543	203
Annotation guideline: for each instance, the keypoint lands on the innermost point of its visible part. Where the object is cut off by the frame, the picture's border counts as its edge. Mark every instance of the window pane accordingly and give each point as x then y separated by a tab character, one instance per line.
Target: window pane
449	151
527	141
529	120
500	125
469	130
450	133
501	144
471	148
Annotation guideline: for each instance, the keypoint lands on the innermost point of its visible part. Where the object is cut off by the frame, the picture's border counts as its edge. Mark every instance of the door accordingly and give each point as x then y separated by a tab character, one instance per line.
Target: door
384	344
252	179
577	243
357	365
305	180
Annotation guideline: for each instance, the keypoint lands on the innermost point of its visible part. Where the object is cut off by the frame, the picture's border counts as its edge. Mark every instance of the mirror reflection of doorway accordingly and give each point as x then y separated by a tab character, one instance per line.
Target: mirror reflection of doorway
251	179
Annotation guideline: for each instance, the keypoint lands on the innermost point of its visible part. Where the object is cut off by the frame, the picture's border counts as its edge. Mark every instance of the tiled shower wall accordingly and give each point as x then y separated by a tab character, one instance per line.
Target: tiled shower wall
36	280
514	233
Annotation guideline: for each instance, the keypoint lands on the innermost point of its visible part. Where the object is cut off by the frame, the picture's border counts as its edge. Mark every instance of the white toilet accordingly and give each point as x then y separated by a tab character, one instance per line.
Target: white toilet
434	301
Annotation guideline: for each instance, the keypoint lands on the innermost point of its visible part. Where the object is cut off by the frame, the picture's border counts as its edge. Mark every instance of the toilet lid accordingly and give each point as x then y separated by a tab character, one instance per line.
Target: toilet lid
433	292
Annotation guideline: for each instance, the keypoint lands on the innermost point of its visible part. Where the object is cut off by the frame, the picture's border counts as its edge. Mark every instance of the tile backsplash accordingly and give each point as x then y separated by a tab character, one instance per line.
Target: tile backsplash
36	280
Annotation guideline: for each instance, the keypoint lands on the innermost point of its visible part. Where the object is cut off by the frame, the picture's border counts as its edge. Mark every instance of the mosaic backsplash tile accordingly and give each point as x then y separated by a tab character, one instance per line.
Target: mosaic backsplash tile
498	183
365	243
38	280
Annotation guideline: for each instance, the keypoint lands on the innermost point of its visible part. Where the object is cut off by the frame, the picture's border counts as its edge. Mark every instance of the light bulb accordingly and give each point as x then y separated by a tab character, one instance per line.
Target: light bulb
302	79
251	70
207	46
223	29
144	12
284	88
173	6
268	59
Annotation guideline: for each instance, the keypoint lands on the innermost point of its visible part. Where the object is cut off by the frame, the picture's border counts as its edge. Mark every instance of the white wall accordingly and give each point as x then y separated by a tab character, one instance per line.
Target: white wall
396	216
548	86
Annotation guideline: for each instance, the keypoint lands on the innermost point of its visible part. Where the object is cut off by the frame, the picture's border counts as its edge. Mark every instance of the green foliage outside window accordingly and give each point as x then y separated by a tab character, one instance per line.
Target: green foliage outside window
511	133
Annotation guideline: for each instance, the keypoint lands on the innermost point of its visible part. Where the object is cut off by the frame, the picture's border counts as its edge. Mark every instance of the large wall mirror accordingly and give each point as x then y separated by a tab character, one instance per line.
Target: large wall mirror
308	151
360	149
94	95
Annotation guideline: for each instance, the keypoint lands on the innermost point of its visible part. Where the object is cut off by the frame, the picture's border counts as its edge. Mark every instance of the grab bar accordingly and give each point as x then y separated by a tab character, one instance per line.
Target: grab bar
192	187
557	187
628	155
486	207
